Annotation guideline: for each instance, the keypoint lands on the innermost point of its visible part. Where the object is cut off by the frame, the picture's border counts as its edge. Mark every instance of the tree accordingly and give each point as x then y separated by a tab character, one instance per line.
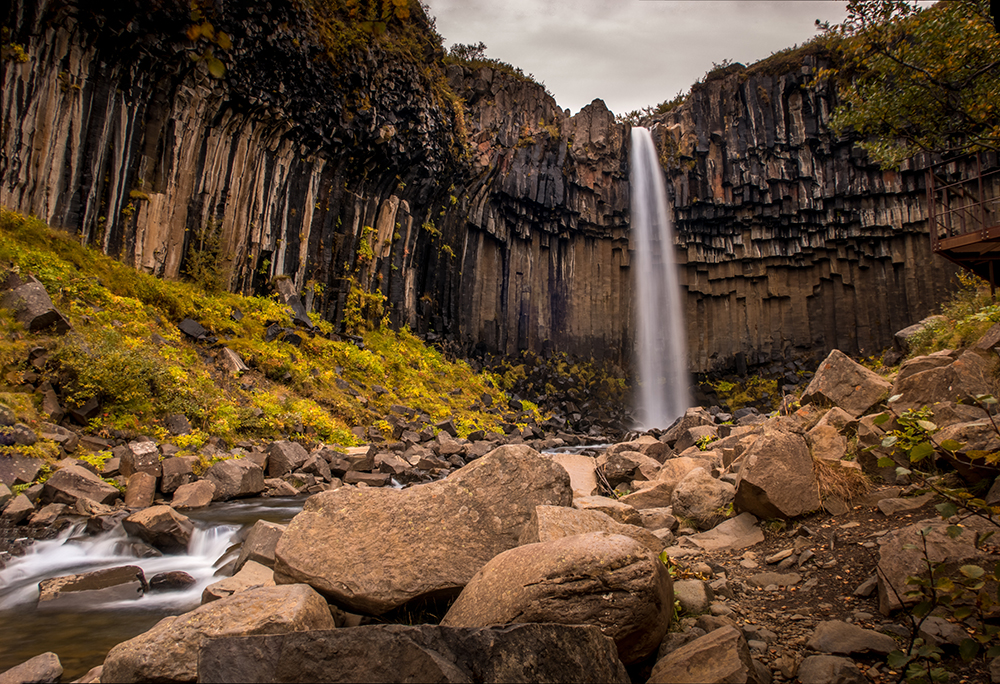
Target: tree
913	79
469	52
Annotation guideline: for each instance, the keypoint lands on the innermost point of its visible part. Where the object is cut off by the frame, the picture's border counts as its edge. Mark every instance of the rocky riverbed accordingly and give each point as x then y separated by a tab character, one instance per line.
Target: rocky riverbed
788	549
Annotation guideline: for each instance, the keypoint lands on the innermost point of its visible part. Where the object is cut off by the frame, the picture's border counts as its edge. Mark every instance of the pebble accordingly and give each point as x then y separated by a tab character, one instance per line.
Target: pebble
748	564
778	557
850	525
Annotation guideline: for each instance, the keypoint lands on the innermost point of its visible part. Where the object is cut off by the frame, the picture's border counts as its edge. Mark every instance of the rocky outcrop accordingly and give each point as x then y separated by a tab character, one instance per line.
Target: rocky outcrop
480	211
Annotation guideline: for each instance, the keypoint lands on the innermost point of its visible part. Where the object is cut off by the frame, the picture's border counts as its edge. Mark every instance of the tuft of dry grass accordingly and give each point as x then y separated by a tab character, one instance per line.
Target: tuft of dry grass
837	481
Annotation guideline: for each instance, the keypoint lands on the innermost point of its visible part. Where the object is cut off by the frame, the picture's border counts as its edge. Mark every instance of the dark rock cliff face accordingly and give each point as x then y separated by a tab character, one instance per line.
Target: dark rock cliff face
502	223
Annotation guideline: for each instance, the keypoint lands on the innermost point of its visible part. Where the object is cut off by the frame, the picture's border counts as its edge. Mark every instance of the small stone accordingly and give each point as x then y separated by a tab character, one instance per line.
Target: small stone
778	557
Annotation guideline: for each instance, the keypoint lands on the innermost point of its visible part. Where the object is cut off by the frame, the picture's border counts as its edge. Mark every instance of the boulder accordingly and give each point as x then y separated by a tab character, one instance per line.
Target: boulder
161	527
646	445
235	478
174	580
15	470
694	595
675	469
622	512
67	439
284	457
193	495
19	508
693	435
33	308
702	499
554	522
73	483
933	380
169	651
625	466
419	653
42	669
260	544
140	456
658	519
842	382
598	578
825	669
140	490
693	417
776	478
581	469
735	533
177	471
6	495
47	515
901	556
251	575
720	657
372	550
826	442
649	495
85	589
317	465
839	637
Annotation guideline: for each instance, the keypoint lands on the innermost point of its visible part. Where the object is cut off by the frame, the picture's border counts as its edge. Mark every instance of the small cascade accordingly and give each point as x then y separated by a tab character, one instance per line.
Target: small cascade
661	347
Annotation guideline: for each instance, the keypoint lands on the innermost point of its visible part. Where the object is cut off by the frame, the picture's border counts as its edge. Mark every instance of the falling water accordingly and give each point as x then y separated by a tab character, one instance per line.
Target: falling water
660	341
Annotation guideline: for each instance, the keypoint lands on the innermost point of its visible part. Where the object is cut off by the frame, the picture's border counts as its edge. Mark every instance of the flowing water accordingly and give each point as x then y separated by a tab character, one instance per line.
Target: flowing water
661	347
81	638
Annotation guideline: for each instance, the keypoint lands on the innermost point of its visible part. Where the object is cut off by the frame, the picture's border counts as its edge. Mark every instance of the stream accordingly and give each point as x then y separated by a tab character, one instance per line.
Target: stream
82	638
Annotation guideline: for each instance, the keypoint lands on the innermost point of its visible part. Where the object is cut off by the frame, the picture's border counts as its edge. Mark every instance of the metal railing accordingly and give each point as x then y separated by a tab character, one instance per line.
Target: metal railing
963	200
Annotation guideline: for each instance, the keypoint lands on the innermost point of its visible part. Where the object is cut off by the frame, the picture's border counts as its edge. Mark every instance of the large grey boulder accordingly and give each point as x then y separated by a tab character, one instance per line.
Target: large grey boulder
776	478
161	527
42	669
701	498
235	478
840	381
598	578
420	653
720	657
554	522
73	483
169	651
372	550
33	308
260	544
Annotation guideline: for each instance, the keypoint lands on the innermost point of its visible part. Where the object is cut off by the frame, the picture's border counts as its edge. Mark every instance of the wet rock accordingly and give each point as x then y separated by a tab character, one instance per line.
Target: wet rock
776	478
422	653
720	656
73	483
569	581
42	669
175	580
374	549
251	575
193	495
83	590
839	637
260	544
235	478
554	522
161	527
169	651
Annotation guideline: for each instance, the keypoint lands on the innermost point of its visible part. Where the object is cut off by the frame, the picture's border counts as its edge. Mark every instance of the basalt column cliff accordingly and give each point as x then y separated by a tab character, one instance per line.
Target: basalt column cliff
456	198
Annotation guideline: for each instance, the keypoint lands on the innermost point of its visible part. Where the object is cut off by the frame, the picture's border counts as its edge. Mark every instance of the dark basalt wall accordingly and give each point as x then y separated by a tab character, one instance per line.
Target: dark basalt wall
502	224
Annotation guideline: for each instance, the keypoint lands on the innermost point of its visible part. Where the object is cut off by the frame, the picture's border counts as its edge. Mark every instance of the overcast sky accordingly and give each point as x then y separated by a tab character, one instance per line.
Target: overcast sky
630	53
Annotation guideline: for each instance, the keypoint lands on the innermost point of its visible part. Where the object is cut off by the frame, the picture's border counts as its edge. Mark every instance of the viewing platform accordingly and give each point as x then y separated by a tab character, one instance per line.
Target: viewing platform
963	213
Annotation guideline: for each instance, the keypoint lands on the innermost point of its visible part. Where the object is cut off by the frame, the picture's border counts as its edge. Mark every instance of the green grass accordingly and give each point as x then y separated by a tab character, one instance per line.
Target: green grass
322	388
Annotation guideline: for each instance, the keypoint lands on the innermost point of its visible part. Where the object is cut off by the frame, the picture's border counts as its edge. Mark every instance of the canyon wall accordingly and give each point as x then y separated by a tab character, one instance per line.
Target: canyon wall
460	200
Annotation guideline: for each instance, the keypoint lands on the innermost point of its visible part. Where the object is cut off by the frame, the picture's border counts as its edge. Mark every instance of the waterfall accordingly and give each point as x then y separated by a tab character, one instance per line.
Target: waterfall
661	347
